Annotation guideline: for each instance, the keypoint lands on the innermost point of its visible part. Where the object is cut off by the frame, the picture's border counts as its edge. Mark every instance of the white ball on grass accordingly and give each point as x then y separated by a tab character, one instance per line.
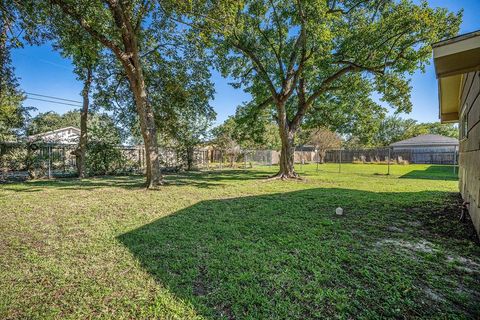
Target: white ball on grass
339	211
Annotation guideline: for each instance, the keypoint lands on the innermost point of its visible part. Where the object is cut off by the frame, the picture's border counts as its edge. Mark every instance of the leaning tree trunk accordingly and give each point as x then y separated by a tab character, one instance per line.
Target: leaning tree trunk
81	151
322	155
146	117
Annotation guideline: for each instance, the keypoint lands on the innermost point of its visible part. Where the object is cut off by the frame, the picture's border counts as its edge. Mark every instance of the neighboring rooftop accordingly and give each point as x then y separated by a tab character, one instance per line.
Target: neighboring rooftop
426	140
62	135
75	129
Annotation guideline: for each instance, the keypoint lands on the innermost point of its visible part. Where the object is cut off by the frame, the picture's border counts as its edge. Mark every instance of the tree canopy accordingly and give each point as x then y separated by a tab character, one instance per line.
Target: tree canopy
393	129
294	56
14	29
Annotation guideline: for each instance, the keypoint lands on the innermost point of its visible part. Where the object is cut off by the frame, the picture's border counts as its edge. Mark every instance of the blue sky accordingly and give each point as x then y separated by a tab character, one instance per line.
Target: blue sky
43	71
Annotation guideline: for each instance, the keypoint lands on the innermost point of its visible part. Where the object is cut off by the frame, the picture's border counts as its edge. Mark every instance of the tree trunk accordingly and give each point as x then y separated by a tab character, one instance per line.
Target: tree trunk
82	144
129	56
189	158
146	117
3	49
287	153
322	154
149	133
232	159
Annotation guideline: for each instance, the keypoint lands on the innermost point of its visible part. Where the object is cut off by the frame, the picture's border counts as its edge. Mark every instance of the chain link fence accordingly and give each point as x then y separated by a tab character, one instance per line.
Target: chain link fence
30	160
377	161
21	161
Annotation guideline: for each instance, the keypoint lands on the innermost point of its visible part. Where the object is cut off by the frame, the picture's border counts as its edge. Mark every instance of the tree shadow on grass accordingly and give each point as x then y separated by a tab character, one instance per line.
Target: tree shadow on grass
127	182
199	179
288	256
434	172
209	179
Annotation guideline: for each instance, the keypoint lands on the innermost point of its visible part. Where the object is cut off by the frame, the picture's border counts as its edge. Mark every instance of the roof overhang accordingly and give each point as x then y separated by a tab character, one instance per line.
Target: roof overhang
453	58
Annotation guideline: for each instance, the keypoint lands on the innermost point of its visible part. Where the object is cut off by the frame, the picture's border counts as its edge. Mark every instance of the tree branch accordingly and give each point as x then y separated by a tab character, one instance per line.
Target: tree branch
265	103
123	23
85	25
277	20
259	65
342	11
276	54
328	81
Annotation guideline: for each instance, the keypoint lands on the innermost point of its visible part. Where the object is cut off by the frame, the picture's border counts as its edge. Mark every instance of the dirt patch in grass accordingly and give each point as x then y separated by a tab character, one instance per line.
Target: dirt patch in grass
420	246
444	221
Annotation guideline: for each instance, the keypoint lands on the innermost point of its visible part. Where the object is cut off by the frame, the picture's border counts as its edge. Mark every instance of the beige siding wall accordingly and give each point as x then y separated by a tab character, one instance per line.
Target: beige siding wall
470	146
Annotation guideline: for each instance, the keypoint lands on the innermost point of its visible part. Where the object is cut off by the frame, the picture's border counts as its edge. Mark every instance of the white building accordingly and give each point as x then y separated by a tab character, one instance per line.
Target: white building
67	135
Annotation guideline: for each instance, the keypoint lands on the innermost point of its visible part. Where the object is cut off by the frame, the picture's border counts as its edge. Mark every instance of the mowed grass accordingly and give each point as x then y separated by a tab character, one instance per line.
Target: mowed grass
231	245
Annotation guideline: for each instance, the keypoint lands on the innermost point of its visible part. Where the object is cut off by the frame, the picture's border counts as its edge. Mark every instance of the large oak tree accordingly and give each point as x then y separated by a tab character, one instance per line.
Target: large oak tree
295	55
177	77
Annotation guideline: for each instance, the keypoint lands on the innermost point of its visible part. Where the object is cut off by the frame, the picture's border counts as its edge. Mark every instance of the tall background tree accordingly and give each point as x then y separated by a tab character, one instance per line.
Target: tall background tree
322	139
255	129
50	120
75	43
134	31
394	128
121	26
293	55
226	140
177	77
15	29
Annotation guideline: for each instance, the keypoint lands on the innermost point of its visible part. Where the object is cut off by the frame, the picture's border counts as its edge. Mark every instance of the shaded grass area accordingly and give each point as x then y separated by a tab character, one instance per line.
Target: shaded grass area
438	172
229	245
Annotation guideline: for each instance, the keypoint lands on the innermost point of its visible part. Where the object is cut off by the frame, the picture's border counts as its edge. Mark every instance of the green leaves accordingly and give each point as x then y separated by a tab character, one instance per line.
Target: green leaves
267	46
393	129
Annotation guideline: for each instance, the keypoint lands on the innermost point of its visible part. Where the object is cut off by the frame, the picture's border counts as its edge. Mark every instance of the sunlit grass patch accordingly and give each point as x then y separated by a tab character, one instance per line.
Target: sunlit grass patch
229	244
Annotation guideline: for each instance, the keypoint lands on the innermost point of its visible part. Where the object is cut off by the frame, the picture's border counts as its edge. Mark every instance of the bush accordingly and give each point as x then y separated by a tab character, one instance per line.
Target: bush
25	157
104	158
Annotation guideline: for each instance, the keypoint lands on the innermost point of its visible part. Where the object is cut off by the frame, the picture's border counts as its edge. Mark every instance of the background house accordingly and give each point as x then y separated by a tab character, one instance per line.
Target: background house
457	66
429	148
67	135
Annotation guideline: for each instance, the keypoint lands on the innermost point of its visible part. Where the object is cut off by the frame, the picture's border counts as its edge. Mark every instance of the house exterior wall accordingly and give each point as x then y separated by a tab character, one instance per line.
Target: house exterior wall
469	157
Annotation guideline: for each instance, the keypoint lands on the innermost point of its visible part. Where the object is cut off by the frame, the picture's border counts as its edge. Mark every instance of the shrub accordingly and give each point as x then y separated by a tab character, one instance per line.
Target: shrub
104	158
25	157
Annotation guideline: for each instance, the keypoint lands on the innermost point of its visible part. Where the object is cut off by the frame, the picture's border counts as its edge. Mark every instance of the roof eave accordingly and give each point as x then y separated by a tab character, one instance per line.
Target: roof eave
453	58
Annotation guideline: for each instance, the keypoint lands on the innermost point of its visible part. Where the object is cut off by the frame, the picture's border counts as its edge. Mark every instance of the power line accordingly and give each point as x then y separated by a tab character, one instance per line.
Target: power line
50	97
62	103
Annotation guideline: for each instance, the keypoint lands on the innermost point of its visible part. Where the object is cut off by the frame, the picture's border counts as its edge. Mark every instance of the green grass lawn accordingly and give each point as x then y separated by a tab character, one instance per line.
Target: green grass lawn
231	245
